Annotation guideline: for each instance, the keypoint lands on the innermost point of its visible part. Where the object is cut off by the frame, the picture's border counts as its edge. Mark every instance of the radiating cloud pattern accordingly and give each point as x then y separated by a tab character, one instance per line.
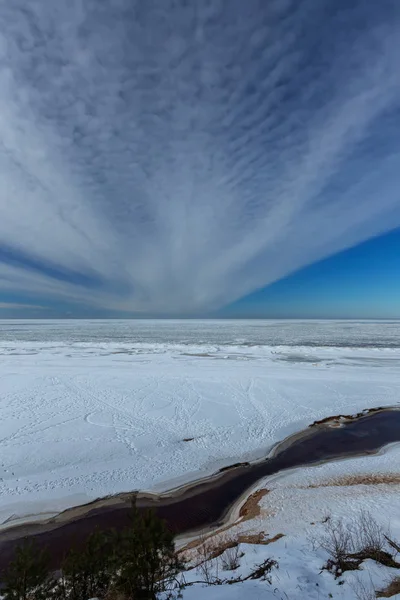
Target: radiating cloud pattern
170	157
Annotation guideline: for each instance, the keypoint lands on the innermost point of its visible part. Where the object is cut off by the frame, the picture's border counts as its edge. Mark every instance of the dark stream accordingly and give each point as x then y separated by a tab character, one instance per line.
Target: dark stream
207	502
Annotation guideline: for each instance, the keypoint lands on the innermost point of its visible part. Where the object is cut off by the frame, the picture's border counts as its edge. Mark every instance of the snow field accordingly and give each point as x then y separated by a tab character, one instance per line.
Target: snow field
82	420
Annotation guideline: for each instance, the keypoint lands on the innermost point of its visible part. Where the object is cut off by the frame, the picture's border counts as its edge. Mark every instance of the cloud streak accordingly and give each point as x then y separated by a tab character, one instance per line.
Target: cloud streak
171	157
17	306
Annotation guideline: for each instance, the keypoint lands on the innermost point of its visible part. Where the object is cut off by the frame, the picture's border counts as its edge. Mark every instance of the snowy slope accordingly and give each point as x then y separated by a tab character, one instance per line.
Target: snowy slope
296	506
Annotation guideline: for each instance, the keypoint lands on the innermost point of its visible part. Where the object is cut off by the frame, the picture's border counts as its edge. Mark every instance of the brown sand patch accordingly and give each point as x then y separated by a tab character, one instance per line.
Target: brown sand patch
251	507
391	590
376	479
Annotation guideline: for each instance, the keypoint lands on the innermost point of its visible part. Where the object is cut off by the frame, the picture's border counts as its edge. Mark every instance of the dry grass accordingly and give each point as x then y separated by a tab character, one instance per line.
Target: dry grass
198	541
350	544
207	548
230	558
391	590
245	538
258	538
219	543
386	479
220	546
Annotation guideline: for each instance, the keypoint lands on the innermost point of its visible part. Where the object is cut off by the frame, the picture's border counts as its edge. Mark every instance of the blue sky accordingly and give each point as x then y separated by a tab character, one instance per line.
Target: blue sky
360	283
175	158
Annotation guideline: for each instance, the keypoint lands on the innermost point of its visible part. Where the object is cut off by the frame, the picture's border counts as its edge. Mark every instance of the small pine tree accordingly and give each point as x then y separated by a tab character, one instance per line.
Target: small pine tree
87	573
27	576
137	565
146	560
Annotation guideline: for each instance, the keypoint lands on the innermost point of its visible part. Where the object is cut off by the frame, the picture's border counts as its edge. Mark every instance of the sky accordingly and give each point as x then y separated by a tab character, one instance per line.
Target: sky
202	158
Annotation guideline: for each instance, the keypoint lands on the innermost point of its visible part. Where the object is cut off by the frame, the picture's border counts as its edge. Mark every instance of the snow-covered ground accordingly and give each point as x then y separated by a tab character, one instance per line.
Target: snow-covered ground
87	411
297	506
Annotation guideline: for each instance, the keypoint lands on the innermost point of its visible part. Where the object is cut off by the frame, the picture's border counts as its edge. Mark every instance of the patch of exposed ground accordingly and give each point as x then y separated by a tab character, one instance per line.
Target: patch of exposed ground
231	542
209	547
251	508
338	420
361	479
391	590
258	538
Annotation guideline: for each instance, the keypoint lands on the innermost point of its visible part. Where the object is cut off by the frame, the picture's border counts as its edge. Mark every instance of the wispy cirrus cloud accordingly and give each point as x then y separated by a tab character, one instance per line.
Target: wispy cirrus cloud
173	157
19	306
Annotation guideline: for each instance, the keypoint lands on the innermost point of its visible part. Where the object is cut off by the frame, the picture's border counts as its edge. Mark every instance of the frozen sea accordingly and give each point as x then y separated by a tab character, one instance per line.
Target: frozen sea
90	408
347	334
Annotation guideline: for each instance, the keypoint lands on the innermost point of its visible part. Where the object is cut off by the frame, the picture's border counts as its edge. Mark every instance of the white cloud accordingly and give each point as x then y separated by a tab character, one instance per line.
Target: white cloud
19	306
182	158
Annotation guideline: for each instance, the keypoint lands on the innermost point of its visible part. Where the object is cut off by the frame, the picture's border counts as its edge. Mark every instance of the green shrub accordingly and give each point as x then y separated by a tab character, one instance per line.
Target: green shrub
27	576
